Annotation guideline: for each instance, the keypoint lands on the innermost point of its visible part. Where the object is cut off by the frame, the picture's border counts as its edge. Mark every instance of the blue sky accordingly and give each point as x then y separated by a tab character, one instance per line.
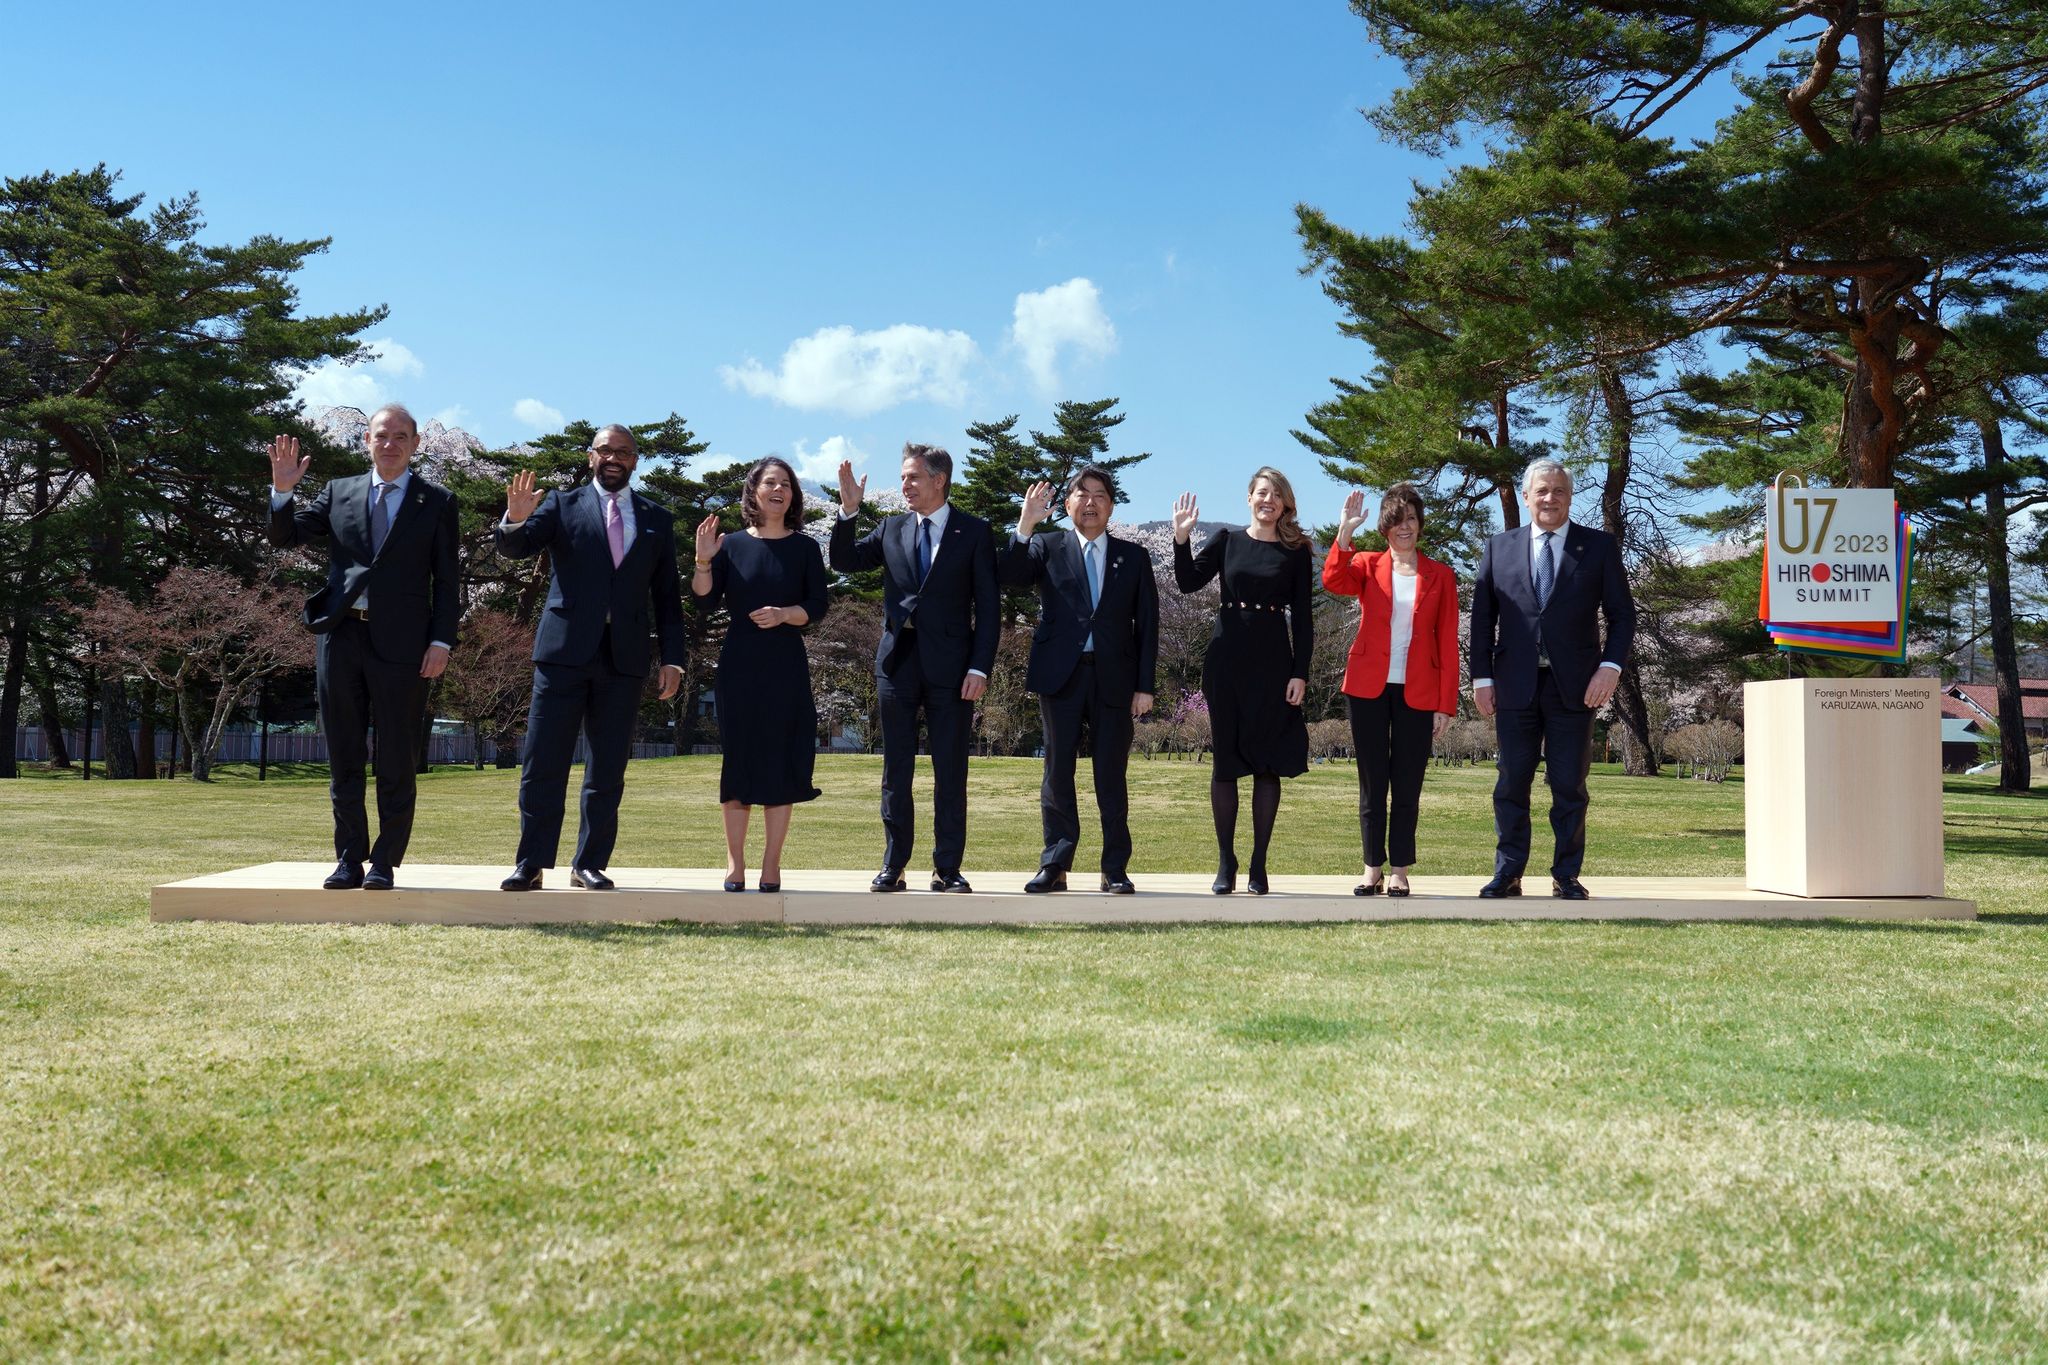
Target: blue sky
950	212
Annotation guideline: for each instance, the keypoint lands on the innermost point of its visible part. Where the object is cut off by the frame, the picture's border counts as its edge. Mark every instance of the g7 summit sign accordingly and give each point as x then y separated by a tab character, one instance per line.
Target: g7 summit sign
1833	553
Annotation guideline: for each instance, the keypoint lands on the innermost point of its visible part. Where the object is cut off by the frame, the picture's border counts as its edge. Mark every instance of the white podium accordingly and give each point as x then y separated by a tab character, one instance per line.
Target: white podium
1842	786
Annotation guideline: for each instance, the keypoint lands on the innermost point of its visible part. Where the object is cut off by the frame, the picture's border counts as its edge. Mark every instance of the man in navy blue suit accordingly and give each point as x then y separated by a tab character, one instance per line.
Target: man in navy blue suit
1541	667
1093	660
939	630
385	621
612	562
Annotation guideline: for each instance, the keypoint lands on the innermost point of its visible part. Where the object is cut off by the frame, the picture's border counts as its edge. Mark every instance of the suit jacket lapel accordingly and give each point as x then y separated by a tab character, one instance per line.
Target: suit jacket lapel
1573	551
1074	570
1516	578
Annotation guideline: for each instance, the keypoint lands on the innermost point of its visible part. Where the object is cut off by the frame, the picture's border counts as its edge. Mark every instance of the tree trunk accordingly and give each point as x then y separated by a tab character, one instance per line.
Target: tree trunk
2014	776
1629	706
145	733
53	718
119	755
10	691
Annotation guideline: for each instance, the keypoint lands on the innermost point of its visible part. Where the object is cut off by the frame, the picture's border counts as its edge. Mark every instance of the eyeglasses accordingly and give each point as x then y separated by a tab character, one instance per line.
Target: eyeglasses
615	452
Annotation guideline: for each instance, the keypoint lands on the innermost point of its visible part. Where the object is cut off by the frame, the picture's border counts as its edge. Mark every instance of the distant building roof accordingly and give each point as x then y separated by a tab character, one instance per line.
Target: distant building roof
1984	698
1958	731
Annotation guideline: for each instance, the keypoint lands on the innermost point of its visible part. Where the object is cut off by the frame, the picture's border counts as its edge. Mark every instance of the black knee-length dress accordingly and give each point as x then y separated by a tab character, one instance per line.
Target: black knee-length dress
767	721
1262	638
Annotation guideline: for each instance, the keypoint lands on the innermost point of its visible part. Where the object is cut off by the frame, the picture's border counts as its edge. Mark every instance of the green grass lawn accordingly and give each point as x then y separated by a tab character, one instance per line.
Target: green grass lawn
1415	1141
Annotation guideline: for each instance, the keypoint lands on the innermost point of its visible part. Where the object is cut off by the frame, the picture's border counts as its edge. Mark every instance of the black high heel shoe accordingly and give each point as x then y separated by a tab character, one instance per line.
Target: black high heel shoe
1401	890
739	885
1226	879
1255	881
1373	887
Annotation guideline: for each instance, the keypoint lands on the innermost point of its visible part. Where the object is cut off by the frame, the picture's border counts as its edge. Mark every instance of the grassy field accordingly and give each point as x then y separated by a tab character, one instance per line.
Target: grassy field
1410	1141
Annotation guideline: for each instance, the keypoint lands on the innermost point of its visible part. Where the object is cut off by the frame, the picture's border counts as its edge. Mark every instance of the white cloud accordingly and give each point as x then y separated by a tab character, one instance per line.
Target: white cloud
1065	317
822	465
531	412
859	373
452	416
366	384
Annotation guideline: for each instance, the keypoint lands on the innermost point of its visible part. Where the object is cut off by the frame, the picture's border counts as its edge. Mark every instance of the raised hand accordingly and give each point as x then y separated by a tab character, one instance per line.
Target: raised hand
1037	502
521	497
709	539
1354	513
850	493
1185	515
287	466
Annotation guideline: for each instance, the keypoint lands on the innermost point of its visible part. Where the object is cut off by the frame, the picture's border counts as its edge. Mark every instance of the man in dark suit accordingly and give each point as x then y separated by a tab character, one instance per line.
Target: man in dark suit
386	621
1541	668
1093	659
612	576
939	627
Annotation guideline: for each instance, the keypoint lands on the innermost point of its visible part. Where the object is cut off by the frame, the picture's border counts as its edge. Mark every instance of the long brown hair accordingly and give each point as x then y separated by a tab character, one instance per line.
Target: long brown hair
1289	527
750	502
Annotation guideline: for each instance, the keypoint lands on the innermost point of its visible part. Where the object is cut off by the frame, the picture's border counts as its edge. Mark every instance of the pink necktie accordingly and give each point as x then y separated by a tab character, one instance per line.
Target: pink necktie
615	530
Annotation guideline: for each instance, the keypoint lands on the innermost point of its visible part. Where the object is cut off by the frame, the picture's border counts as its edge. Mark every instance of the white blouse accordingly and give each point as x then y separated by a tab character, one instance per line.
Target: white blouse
1401	625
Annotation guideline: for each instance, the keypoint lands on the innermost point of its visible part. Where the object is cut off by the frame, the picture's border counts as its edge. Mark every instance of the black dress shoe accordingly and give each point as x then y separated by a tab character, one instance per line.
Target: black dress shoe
888	879
1226	879
347	876
1401	890
1255	881
1048	879
949	879
525	877
1569	889
590	879
1371	888
771	886
739	885
1119	885
1501	886
378	878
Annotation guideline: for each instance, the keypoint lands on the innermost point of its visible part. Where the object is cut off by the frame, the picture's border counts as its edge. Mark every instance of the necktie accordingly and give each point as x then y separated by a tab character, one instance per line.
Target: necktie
1091	564
615	529
380	518
924	547
1546	572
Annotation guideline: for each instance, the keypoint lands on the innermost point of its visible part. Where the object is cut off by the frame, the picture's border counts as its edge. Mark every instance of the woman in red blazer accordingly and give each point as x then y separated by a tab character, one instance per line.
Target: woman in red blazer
1401	679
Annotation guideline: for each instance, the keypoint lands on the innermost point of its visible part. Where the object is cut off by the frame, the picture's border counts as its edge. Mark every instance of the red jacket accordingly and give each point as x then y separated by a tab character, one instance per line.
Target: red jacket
1432	643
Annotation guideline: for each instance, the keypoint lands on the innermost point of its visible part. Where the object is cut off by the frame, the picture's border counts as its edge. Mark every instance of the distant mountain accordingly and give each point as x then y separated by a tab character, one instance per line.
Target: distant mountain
441	447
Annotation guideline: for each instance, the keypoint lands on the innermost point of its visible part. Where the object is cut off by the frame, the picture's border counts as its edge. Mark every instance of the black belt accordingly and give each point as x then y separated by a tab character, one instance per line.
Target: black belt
1258	606
357	614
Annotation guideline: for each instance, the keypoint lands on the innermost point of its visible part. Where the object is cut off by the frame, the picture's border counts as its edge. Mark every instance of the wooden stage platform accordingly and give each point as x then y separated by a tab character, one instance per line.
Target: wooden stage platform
428	893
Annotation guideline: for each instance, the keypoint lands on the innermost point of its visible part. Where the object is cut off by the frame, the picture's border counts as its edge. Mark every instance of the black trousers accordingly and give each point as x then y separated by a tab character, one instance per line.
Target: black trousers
603	704
1064	714
1561	733
905	695
359	691
1391	739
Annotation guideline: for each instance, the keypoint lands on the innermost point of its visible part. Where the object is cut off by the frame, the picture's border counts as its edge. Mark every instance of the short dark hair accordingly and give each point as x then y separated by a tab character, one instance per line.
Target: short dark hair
933	458
750	502
397	410
619	427
1400	500
1097	473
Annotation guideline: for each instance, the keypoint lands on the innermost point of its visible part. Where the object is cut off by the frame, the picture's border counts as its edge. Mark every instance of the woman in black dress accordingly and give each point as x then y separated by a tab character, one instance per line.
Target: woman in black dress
771	579
1255	673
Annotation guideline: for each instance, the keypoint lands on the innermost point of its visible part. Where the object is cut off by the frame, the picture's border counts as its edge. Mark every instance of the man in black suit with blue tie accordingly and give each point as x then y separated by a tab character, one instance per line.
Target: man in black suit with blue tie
612	578
1541	668
939	630
1093	659
385	621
